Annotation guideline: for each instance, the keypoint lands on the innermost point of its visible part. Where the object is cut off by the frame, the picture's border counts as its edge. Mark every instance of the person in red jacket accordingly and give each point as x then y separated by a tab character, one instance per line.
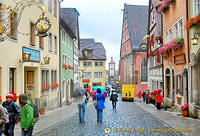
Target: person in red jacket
139	95
159	100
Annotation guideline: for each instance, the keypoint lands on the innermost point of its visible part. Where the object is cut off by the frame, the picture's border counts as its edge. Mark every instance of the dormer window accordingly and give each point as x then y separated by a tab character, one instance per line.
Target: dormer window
89	54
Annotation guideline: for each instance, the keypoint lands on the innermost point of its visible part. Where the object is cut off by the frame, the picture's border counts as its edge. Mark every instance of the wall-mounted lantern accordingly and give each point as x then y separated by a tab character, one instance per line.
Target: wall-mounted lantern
194	40
26	56
46	60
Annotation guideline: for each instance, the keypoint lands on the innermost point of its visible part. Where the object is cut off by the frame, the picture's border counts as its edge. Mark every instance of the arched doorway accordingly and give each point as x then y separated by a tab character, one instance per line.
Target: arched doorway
167	82
185	85
173	88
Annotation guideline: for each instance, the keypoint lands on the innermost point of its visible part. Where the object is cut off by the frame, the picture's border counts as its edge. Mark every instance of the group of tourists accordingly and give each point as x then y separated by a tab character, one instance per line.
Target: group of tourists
10	114
99	99
147	98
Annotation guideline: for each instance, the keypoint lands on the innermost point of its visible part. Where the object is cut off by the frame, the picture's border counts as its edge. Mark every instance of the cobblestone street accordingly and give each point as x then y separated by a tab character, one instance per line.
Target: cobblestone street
127	117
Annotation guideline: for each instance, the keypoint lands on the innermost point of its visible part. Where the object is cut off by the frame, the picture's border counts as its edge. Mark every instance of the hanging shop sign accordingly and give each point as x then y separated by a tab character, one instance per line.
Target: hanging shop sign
166	55
179	59
85	80
34	54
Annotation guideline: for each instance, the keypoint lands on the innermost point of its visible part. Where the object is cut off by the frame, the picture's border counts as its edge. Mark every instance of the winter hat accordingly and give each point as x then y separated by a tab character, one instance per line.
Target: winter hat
23	98
9	96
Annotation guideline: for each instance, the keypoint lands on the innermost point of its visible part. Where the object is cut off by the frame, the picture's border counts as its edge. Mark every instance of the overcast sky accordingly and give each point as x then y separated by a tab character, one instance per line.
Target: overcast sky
102	20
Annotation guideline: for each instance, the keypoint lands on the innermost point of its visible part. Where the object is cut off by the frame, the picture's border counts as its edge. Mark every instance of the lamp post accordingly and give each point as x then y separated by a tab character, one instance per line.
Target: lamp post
26	56
46	60
194	40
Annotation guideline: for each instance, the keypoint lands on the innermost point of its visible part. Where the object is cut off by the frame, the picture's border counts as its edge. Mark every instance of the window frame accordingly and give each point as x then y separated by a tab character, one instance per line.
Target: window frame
50	6
50	42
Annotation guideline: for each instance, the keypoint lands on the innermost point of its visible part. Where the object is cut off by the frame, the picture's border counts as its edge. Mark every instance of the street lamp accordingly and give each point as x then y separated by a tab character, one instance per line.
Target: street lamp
194	40
46	60
26	56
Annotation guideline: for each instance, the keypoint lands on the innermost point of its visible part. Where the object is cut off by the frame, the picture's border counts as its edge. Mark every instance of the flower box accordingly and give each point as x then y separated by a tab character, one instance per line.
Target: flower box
192	22
162	8
54	85
45	87
173	45
185	110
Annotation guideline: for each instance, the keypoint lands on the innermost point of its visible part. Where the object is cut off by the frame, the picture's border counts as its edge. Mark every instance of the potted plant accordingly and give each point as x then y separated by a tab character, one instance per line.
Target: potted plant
185	110
166	105
42	107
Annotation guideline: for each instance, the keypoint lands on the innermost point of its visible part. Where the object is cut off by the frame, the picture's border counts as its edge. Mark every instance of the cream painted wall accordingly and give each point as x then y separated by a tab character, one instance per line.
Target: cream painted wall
11	53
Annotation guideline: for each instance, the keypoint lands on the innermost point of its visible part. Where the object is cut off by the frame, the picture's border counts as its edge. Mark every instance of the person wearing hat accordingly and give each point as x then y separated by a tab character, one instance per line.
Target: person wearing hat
27	115
13	112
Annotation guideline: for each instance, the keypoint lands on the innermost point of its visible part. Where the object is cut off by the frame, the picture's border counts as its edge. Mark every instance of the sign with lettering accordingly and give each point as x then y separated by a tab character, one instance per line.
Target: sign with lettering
179	59
86	80
35	55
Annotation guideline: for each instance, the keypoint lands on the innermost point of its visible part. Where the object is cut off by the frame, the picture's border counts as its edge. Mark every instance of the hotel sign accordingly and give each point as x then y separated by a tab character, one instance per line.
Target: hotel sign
86	80
35	55
179	59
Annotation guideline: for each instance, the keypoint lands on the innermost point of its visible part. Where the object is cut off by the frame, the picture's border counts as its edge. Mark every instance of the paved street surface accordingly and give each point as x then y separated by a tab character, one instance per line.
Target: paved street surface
127	119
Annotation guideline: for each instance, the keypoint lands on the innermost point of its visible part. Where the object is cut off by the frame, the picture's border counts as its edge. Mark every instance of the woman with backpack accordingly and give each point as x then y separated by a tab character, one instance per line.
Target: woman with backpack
27	115
113	98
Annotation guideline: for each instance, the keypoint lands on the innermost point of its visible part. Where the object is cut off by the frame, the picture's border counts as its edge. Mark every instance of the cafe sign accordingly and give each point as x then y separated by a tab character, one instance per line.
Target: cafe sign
179	59
85	80
34	54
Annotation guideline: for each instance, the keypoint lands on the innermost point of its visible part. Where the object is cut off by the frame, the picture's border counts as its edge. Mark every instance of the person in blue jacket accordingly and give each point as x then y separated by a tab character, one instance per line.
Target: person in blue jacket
100	104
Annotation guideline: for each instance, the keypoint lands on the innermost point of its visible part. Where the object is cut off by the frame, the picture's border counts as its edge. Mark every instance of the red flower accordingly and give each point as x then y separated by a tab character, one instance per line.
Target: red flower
185	107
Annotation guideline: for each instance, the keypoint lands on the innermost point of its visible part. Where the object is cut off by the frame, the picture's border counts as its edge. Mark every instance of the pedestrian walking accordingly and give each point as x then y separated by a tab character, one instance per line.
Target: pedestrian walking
147	98
100	104
27	115
2	120
143	96
13	112
140	95
81	107
159	100
113	98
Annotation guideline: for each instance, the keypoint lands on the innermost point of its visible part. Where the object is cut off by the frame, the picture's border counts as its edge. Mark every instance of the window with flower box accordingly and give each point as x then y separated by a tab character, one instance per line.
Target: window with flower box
168	35
45	80
53	78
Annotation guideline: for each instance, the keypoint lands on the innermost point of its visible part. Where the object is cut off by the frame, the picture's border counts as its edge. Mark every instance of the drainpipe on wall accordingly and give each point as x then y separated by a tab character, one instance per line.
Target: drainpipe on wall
60	54
187	17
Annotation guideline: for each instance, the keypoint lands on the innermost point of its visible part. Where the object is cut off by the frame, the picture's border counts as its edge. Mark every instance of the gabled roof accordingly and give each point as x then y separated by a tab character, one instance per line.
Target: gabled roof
98	50
137	19
67	28
70	16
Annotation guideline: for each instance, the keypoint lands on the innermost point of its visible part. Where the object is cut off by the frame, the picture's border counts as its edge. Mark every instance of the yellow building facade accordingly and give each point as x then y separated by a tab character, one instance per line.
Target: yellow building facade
33	77
92	75
92	64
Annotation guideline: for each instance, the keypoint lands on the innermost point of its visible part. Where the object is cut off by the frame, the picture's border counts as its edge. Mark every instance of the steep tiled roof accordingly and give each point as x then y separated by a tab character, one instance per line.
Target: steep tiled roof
137	17
98	50
67	28
70	16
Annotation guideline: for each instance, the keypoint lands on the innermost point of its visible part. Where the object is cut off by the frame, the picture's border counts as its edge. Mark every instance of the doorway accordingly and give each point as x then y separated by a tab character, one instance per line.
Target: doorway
168	85
173	88
185	85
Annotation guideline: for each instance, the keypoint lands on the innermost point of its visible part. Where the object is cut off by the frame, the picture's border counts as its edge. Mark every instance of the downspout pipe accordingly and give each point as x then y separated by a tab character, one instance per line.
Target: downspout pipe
187	17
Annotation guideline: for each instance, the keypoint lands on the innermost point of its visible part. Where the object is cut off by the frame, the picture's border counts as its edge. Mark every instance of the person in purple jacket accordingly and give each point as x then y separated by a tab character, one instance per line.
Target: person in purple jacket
100	104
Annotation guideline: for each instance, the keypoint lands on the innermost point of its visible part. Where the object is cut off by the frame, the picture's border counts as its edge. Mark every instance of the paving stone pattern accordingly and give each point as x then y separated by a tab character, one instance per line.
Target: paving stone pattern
126	120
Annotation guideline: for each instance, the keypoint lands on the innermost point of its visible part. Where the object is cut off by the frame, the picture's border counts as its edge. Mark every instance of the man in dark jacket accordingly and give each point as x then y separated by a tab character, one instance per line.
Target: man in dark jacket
113	98
143	96
13	112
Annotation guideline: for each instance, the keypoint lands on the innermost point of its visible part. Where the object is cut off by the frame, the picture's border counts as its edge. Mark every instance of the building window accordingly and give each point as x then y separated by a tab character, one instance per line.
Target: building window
196	7
63	36
12	80
45	77
101	63
50	5
178	29
53	76
89	64
89	54
41	42
98	64
87	75
143	70
168	35
98	74
55	43
32	35
13	32
55	8
50	42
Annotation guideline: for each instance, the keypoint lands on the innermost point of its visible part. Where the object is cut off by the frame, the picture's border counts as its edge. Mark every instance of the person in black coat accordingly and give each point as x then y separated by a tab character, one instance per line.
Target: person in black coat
13	112
143	96
113	98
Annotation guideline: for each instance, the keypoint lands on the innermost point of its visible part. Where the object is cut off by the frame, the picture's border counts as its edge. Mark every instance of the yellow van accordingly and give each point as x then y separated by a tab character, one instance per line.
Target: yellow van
128	92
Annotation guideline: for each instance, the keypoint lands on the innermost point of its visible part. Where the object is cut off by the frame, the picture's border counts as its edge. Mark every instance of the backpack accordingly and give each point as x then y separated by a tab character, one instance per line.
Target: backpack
6	115
35	112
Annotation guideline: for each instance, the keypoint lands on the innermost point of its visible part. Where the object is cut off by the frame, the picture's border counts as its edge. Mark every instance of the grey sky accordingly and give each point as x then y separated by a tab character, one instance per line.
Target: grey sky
102	20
